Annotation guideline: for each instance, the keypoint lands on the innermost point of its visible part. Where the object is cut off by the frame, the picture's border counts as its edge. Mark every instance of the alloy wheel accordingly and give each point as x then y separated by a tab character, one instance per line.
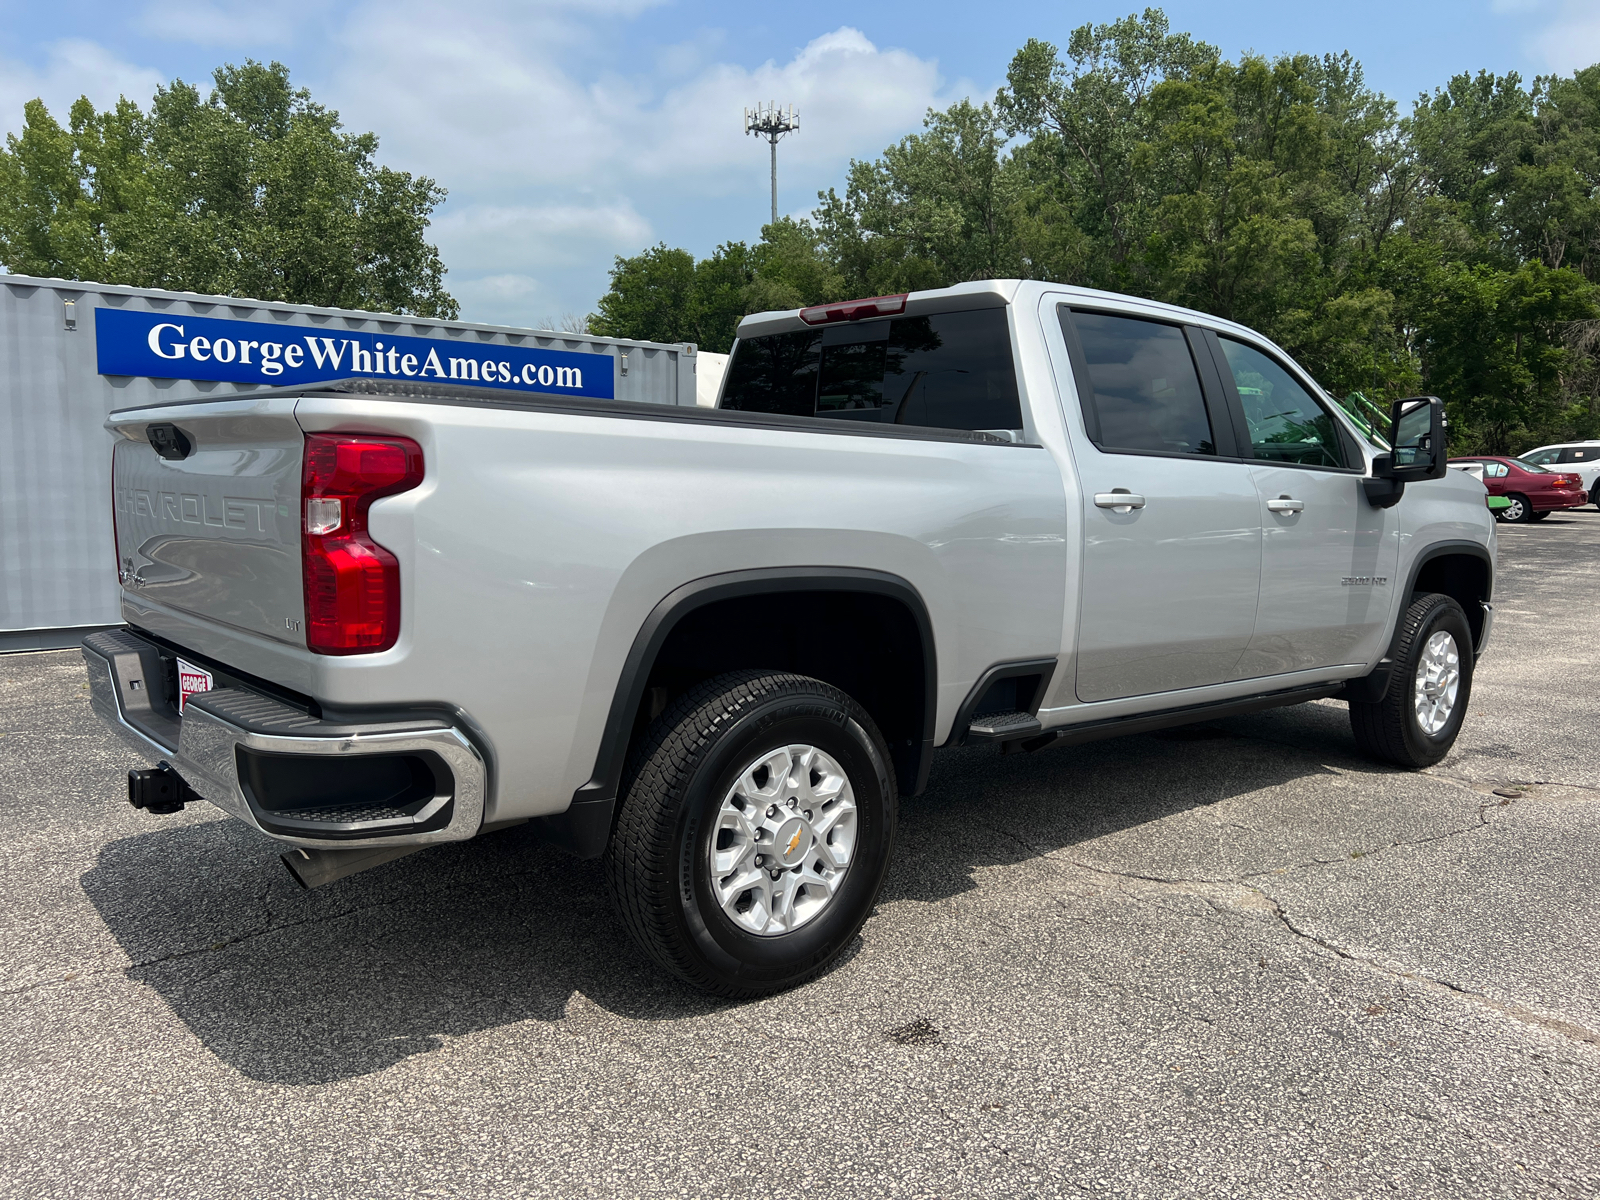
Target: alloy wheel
1438	682
783	840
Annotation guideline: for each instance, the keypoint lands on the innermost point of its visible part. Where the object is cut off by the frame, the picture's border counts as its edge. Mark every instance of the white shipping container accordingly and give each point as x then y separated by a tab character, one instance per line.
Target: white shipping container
71	353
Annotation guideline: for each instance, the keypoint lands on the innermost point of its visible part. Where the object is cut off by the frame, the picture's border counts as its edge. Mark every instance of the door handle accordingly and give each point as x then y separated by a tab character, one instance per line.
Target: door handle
1118	500
1286	504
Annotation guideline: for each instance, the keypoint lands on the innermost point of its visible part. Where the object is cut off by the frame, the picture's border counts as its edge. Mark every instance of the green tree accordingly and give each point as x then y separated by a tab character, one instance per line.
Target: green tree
664	295
935	210
1456	250
253	190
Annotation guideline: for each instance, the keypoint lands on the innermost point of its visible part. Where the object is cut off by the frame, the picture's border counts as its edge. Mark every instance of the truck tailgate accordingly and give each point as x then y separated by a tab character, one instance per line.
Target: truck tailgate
207	504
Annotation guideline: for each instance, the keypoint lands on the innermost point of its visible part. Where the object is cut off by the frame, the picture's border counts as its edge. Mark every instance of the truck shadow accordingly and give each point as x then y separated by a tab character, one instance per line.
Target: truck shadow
301	987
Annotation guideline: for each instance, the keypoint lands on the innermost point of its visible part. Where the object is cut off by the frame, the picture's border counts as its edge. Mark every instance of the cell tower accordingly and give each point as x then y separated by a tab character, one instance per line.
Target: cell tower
771	122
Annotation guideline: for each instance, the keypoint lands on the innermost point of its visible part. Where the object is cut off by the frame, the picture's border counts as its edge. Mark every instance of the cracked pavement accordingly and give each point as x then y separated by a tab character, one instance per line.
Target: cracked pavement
1229	960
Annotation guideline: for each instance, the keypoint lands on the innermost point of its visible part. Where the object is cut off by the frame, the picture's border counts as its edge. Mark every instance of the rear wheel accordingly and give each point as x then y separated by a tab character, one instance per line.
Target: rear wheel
1539	516
1594	494
1517	510
754	833
1430	684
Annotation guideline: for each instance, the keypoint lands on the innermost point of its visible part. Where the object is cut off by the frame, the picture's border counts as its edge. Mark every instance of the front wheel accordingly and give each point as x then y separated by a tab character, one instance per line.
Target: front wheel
755	829
1417	721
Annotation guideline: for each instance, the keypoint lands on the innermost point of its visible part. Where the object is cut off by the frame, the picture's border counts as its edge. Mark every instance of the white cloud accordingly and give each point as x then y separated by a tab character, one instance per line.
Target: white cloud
496	102
551	155
73	67
489	237
222	22
1570	39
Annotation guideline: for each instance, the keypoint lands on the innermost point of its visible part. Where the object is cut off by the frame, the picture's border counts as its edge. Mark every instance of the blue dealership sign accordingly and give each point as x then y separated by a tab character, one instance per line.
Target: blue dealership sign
180	346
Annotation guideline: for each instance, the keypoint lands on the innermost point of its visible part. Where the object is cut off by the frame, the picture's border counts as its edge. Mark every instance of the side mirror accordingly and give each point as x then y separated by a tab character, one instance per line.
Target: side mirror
1417	434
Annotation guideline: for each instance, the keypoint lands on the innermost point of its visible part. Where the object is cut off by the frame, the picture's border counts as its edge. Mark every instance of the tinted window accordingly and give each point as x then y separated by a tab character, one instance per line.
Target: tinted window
775	374
1286	424
1146	393
948	371
1575	454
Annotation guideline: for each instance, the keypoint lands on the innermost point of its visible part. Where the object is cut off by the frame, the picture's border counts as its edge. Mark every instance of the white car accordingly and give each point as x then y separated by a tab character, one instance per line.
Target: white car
1576	458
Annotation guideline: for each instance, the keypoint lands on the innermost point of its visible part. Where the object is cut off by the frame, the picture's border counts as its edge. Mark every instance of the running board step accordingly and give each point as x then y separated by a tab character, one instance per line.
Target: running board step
1002	727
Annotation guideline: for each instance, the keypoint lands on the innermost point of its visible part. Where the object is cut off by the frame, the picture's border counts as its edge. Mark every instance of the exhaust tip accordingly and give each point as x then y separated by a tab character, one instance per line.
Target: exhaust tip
314	868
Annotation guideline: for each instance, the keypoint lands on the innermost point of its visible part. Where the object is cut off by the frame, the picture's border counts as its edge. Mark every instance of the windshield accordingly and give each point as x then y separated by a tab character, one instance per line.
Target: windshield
1369	418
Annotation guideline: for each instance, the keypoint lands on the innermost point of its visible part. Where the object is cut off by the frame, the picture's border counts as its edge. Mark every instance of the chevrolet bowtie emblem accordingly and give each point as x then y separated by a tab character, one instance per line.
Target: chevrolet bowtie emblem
793	842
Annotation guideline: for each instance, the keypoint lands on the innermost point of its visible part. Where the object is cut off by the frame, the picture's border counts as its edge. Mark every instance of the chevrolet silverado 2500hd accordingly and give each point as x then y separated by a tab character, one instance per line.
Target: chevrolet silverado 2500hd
717	645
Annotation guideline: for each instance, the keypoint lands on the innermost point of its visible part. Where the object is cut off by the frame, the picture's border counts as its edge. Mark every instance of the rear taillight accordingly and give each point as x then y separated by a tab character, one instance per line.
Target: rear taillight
352	583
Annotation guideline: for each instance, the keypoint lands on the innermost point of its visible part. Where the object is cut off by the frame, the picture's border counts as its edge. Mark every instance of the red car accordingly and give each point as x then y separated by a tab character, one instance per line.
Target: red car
1534	492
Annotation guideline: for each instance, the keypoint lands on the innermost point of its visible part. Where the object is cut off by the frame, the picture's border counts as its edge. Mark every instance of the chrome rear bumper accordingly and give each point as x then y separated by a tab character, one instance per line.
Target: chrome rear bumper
223	730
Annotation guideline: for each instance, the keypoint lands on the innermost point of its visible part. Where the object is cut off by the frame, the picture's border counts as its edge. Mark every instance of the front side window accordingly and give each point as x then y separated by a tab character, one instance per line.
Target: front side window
1146	394
1286	424
945	371
1540	457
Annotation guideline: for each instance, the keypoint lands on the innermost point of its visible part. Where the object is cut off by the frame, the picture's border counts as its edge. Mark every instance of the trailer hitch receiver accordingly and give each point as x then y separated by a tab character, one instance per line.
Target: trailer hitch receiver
159	789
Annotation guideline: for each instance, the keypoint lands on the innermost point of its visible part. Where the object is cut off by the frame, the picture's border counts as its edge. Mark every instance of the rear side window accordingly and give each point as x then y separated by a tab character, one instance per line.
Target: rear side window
1146	392
775	374
1576	454
946	371
1286	424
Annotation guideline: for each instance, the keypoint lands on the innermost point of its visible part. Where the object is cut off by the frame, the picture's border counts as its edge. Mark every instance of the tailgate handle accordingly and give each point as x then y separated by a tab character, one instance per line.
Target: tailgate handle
168	440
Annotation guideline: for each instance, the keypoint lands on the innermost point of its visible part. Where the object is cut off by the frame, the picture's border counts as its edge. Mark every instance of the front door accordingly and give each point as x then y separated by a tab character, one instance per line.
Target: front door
1169	577
1327	556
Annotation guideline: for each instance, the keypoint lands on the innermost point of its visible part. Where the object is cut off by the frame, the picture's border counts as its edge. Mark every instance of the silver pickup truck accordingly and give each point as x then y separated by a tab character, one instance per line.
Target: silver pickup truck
717	646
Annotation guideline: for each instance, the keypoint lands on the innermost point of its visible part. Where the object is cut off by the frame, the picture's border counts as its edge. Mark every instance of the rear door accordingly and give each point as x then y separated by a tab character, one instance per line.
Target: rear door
1582	461
1327	556
1170	576
207	506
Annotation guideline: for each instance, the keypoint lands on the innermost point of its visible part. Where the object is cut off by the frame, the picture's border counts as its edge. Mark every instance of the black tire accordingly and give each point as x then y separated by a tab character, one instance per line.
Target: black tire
1539	516
1520	512
658	863
1594	495
1389	730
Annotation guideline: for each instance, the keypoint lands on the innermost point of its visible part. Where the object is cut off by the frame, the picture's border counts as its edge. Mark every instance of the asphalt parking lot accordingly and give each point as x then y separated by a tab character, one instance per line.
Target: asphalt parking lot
1233	960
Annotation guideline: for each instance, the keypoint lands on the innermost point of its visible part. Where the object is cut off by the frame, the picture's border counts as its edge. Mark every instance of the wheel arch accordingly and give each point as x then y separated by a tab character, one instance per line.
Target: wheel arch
1462	570
661	657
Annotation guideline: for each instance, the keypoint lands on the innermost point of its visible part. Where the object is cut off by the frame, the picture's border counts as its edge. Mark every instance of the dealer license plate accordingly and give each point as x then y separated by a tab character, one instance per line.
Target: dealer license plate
192	680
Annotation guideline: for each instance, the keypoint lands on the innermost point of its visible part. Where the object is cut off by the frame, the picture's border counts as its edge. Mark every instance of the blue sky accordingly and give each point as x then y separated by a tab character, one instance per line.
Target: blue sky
571	131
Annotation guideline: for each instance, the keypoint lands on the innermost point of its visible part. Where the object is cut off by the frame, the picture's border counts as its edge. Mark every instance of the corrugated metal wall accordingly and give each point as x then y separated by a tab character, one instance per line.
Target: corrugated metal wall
57	563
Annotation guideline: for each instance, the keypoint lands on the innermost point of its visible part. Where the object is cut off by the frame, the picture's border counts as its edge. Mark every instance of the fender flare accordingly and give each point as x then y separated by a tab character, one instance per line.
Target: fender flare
1373	686
585	827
